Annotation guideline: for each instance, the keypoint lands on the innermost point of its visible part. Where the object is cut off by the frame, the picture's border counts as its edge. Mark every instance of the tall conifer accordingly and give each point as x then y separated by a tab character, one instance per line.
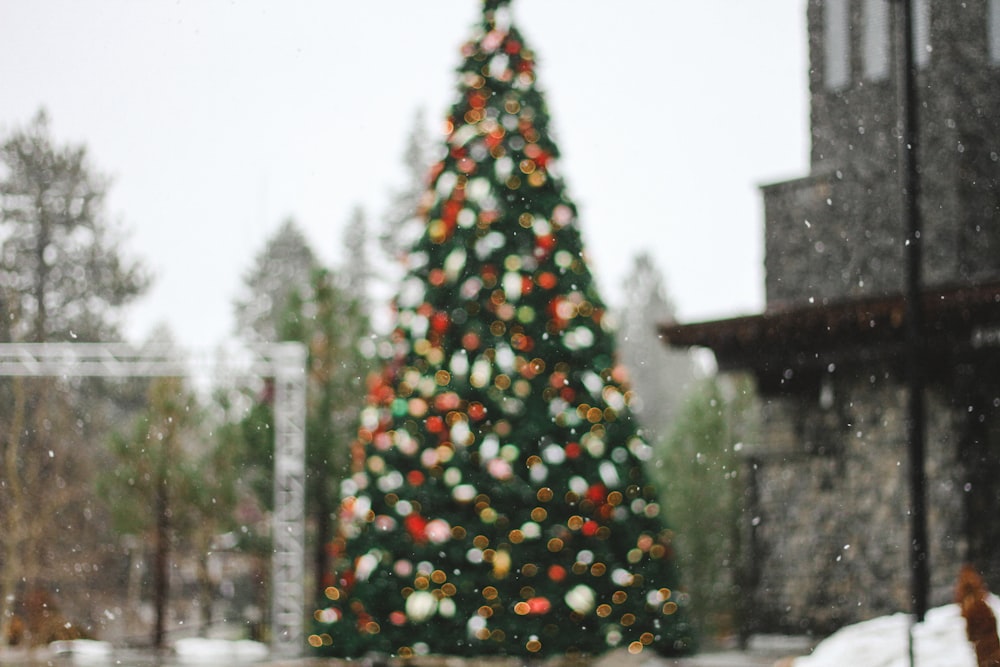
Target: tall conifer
500	504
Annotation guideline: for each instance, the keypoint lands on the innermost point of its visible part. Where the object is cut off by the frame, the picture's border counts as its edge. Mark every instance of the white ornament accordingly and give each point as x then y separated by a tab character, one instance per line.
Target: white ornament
438	531
420	606
447	608
580	599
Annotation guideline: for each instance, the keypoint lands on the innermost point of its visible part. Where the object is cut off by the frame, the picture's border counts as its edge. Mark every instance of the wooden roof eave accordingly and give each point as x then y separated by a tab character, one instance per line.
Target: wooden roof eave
843	331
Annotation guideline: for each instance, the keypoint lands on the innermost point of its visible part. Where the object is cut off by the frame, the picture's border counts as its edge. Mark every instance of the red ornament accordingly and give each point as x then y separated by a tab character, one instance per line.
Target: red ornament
553	311
449	213
447	401
536	153
416	526
590	528
415	477
477	100
557	573
470	341
440	322
539	605
547	280
436	277
546	242
526	285
466	165
382	394
476	411
597	493
434	424
573	450
522	343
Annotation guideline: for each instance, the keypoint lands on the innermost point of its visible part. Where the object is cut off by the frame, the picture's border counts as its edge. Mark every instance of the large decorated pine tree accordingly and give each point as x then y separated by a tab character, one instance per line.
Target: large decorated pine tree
500	505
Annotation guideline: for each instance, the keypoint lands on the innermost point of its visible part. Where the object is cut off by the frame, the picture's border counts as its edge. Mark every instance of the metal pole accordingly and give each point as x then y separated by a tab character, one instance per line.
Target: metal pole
914	356
288	562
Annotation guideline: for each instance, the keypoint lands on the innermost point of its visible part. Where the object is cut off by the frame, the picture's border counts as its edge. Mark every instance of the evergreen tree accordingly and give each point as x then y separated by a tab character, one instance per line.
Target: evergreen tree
402	222
697	464
356	271
500	504
328	312
63	277
62	274
332	333
153	469
173	461
659	375
275	304
285	265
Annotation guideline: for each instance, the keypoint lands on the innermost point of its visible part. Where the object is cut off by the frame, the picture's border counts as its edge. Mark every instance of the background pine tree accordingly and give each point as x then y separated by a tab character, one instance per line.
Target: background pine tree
661	377
64	276
500	504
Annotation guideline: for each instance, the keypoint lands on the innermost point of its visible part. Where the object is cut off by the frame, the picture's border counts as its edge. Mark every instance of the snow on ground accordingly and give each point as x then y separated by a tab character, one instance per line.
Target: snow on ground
198	650
83	651
940	641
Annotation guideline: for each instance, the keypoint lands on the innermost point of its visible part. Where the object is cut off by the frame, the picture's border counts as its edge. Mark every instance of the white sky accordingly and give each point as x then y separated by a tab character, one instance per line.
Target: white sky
218	119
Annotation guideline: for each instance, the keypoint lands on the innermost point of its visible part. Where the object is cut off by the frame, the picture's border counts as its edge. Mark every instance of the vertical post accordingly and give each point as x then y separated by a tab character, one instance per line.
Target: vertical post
914	341
288	564
161	558
749	547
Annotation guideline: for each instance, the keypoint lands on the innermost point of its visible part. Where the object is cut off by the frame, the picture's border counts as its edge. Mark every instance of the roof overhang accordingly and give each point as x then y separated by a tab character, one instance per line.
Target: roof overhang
956	318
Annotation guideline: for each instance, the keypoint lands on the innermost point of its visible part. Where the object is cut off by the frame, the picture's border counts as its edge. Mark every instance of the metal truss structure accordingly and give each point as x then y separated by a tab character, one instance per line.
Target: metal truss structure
286	363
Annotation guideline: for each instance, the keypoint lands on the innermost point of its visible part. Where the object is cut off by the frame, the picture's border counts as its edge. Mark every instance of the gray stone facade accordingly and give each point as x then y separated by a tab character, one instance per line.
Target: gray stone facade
829	505
829	492
837	233
827	527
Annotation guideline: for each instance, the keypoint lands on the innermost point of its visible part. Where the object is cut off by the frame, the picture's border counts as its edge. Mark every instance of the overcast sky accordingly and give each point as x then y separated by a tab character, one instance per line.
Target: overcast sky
218	119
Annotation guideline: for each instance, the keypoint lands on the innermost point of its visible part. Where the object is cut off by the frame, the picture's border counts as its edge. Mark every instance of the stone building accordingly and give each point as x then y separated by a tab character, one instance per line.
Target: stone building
827	495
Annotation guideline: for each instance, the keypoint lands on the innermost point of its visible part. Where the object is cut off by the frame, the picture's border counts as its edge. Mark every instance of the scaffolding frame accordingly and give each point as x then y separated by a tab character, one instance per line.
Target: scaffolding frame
286	364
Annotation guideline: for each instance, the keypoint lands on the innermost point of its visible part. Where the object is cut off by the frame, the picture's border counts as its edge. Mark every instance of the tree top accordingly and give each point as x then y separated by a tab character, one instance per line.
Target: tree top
491	5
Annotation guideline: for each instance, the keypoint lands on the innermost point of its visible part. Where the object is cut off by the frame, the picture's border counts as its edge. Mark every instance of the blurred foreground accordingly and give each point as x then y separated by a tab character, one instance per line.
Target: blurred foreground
761	652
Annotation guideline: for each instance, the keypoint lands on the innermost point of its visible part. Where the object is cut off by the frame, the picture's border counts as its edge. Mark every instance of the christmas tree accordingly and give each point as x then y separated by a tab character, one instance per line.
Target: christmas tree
500	504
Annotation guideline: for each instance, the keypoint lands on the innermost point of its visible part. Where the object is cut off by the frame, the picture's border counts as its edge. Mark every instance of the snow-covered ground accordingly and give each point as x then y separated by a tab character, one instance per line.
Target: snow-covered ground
190	651
83	651
939	641
197	650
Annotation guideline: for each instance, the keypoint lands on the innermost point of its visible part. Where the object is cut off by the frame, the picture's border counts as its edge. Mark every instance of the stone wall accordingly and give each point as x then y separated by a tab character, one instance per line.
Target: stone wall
822	242
828	504
827	484
838	233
